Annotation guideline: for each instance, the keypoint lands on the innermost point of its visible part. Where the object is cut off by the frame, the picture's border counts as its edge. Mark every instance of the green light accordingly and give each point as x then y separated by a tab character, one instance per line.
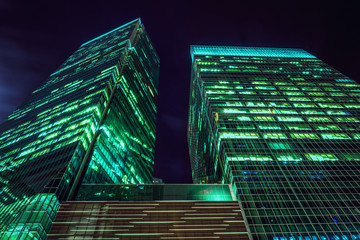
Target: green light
136	20
234	135
321	157
249	158
247	51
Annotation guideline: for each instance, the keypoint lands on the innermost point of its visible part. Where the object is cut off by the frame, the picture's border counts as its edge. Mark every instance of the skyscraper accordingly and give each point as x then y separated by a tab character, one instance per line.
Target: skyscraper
282	127
92	121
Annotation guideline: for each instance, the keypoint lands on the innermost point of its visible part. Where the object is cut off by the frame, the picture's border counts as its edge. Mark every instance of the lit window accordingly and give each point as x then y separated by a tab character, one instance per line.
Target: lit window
304	135
334	136
290	119
321	157
274	135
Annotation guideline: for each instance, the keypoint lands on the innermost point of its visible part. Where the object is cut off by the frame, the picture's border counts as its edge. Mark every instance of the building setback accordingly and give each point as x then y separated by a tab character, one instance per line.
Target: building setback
282	127
92	121
151	212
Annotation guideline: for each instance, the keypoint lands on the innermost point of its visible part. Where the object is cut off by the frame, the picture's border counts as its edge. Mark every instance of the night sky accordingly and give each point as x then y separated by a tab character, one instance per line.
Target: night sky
37	36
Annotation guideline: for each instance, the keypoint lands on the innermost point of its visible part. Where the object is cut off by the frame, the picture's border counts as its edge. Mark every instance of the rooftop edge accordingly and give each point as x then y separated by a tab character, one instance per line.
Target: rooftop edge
126	24
248	51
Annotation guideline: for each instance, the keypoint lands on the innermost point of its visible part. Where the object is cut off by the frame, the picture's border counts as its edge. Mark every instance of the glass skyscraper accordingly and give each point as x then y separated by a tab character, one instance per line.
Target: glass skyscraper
92	121
283	128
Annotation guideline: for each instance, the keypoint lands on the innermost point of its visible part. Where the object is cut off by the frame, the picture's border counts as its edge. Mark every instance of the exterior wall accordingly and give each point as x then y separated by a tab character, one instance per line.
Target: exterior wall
285	127
157	192
149	220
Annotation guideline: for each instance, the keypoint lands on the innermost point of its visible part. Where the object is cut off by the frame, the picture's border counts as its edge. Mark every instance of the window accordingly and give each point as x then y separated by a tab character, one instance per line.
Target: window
298	127
274	135
234	135
244	157
264	118
304	135
269	126
288	157
279	145
334	136
319	119
290	119
327	127
321	157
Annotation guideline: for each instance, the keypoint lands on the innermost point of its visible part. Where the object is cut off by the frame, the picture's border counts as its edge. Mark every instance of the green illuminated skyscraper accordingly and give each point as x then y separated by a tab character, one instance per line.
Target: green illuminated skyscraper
283	128
92	121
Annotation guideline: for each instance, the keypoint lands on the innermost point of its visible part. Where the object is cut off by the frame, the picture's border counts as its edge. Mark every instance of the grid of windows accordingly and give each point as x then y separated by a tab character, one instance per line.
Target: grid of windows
149	220
92	117
283	130
154	192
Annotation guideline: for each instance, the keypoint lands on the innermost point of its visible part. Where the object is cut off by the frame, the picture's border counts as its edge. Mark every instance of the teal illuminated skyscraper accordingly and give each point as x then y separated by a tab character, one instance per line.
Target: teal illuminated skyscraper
283	128
92	121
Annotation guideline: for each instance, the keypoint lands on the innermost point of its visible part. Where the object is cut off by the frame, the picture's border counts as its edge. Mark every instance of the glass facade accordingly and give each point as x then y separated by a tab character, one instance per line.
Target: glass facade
282	127
149	220
154	192
92	121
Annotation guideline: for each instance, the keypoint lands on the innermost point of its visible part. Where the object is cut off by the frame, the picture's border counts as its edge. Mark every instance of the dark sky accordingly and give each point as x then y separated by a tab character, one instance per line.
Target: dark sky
37	36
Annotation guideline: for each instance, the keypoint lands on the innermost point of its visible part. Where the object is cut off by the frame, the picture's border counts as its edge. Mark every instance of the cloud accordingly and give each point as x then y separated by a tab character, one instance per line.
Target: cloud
17	76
